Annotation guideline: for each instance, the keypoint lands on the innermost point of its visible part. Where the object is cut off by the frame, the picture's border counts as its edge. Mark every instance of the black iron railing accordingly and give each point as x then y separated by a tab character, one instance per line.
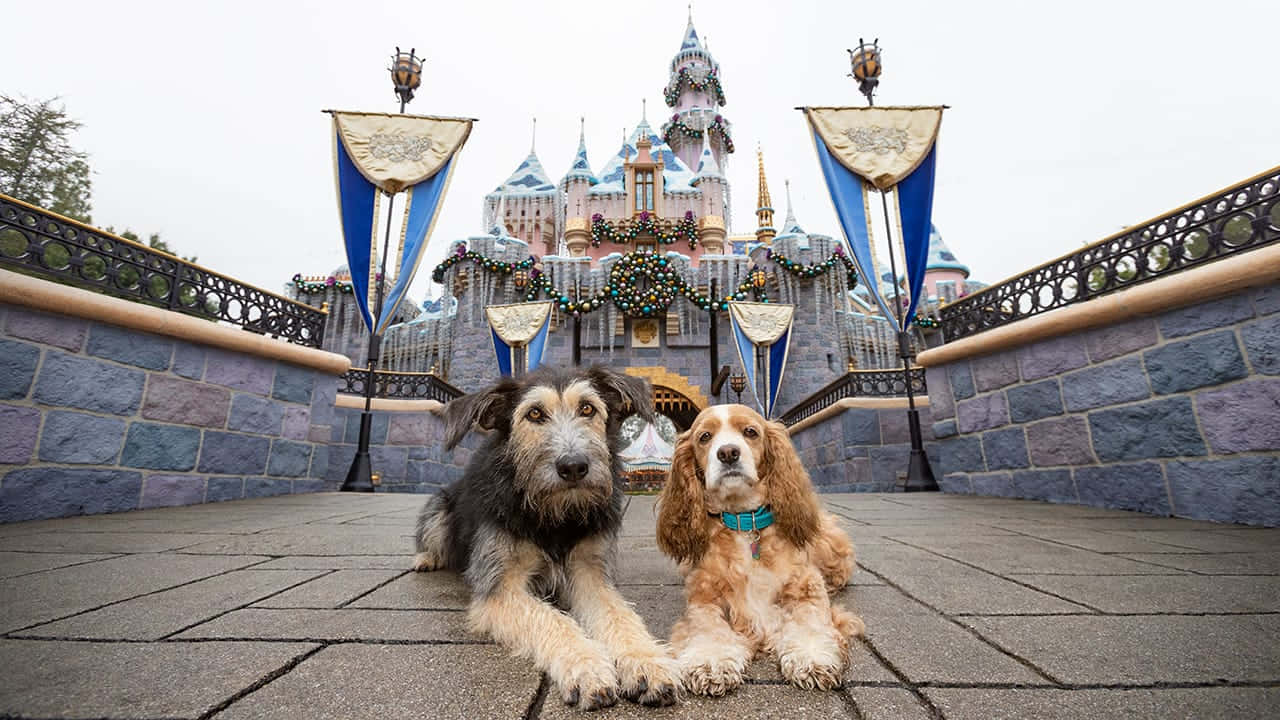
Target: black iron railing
858	383
38	241
1240	218
405	385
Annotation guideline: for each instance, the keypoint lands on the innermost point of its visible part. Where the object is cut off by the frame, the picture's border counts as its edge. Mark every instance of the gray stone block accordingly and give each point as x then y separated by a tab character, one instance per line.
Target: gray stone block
88	384
1052	357
188	360
1112	341
1266	300
1110	384
1034	401
944	428
956	483
130	346
297	422
322	401
1137	486
1050	485
997	484
392	462
239	371
21	428
1061	441
255	414
46	328
941	401
293	383
960	377
289	459
1234	490
18	369
1159	428
224	488
960	454
860	426
1204	703
42	492
1005	449
992	372
184	401
160	447
171	490
233	453
982	413
1261	341
1206	315
266	487
1243	417
1210	359
377	427
72	437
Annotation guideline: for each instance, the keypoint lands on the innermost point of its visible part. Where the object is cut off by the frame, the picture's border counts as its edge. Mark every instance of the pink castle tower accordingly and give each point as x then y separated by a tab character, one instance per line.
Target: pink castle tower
695	95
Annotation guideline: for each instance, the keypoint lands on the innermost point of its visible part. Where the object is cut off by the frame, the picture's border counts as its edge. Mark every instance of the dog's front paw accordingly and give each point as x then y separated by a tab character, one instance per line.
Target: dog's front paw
589	682
713	677
650	680
811	673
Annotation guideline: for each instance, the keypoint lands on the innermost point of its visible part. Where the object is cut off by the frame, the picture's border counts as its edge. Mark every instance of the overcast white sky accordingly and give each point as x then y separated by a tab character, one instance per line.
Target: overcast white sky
1068	120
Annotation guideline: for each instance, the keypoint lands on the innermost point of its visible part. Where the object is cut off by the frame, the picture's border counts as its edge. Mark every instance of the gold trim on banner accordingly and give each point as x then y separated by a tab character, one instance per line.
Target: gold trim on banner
397	151
880	144
517	323
762	323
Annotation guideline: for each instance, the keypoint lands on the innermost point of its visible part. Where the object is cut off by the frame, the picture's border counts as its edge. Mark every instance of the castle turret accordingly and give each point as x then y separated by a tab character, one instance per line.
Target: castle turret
712	183
530	205
694	93
765	231
575	185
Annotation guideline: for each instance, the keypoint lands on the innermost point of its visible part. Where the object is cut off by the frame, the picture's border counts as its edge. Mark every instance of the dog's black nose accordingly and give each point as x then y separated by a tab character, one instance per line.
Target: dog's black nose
728	454
572	468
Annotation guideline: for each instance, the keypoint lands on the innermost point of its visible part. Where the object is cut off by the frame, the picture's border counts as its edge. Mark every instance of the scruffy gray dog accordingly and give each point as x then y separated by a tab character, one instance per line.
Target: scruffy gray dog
533	523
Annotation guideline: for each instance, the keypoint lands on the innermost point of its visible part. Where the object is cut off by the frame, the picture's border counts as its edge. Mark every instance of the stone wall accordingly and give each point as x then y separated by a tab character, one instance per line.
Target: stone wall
1176	413
97	418
861	449
405	448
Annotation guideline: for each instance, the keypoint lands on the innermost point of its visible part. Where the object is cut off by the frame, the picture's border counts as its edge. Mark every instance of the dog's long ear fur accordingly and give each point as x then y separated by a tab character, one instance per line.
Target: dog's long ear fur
682	527
624	394
488	409
788	491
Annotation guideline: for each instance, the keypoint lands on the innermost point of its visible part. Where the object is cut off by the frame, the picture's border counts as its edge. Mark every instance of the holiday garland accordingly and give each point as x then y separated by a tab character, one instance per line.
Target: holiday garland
677	125
626	232
488	264
312	288
710	81
816	269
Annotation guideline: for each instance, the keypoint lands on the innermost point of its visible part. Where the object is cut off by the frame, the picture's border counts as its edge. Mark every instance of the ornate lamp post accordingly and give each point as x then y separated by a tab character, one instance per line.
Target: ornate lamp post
406	73
866	70
738	383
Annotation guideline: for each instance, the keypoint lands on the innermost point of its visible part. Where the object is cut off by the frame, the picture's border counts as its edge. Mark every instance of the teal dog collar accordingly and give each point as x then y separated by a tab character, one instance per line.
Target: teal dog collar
757	519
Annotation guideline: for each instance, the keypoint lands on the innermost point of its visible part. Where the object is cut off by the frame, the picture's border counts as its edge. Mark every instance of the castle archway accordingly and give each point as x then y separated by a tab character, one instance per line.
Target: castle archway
673	394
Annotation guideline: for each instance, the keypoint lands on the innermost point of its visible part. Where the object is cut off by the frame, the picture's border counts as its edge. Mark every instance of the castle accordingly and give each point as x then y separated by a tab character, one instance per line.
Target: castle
640	262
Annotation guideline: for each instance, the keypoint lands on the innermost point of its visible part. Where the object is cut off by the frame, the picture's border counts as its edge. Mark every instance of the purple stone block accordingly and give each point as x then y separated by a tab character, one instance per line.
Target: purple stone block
956	483
224	488
57	330
1138	486
19	427
1262	342
1060	441
265	487
1242	417
172	490
1206	316
1267	300
73	381
392	462
997	484
1050	485
940	399
186	402
240	371
320	434
297	423
1112	341
991	372
1052	357
894	427
257	415
982	413
411	428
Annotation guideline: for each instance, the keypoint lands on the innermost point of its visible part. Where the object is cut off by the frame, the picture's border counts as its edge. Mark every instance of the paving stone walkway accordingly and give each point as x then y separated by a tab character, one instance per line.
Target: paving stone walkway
302	607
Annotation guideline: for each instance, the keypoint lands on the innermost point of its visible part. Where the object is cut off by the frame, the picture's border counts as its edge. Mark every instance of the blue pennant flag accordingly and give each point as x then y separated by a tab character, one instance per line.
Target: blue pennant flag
519	335
762	334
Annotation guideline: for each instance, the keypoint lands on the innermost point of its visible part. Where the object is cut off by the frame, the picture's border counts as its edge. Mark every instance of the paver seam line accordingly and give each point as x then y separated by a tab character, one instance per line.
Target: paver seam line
134	597
60	567
1222	613
275	608
907	685
993	574
377	587
1120	553
290	555
534	710
262	682
268	596
1023	661
193	640
850	704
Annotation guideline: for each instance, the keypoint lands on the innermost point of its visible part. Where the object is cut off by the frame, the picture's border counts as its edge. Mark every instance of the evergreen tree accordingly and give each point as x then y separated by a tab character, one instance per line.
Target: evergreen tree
38	165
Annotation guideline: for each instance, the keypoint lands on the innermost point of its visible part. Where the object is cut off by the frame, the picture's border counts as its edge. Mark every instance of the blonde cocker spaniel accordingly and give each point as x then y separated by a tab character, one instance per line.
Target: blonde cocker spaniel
759	556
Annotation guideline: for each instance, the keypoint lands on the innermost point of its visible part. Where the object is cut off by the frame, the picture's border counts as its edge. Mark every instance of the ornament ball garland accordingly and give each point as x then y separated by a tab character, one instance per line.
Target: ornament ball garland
816	269
626	231
712	81
313	288
677	125
462	253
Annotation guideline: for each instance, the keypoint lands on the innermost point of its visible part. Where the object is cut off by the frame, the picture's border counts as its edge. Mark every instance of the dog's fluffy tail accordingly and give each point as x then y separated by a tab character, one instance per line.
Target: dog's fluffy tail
433	531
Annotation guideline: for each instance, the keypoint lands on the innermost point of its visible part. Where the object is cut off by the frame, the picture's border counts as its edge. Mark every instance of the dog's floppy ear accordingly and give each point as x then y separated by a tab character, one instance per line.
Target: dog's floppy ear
488	409
787	488
624	394
682	527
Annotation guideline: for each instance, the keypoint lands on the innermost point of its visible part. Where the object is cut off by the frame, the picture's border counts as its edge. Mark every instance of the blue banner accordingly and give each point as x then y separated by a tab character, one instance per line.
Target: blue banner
357	205
420	216
915	205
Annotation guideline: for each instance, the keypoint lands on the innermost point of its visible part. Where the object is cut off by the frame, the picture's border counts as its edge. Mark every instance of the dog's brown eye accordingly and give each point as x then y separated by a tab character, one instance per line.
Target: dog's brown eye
704	437
750	432
587	410
535	415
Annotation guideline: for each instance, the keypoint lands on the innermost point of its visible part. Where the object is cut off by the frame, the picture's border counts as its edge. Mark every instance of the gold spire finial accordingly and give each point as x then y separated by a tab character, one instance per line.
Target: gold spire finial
764	205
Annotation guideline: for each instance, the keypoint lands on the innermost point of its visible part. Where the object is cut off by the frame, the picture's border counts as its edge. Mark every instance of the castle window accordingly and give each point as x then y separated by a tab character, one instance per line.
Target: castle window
644	190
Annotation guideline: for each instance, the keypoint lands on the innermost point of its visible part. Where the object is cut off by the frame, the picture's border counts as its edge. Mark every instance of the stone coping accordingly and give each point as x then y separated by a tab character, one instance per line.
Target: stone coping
865	403
1217	279
52	297
388	404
